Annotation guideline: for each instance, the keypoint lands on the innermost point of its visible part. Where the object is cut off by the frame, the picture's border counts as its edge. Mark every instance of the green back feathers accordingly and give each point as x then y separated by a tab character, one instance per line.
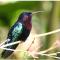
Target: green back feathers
17	31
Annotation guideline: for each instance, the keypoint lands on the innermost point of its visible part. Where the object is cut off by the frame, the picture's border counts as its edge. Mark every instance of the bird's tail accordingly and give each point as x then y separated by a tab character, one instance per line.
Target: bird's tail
7	53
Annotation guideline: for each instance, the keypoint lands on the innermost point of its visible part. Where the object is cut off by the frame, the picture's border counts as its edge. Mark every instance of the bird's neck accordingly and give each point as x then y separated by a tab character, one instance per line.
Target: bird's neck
28	26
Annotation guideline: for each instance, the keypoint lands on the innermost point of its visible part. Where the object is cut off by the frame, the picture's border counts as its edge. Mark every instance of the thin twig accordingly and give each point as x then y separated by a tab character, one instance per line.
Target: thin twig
50	56
37	12
3	43
53	53
12	49
48	33
11	44
58	52
45	51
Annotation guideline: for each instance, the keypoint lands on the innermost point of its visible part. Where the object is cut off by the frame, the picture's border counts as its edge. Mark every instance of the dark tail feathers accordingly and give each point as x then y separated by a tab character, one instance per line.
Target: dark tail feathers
6	53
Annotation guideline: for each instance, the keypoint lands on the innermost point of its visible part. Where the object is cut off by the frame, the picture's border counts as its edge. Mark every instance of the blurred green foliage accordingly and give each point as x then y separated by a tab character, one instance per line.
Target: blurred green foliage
8	10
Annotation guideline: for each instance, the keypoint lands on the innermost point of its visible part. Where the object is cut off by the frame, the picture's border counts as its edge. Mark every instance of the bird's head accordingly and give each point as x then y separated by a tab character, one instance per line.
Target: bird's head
25	19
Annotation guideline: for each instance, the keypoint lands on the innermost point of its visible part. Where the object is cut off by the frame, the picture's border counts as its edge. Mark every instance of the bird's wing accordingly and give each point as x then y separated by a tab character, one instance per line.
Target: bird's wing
14	33
17	31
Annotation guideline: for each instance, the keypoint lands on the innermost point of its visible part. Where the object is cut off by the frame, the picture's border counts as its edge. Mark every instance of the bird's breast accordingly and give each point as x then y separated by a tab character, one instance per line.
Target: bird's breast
28	26
25	34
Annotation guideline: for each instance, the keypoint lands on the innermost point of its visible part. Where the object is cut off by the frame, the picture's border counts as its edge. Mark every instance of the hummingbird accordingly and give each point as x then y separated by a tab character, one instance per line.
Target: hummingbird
19	32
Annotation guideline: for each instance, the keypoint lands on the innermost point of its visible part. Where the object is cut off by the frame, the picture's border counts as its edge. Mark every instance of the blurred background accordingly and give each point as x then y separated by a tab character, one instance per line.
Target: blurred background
42	22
